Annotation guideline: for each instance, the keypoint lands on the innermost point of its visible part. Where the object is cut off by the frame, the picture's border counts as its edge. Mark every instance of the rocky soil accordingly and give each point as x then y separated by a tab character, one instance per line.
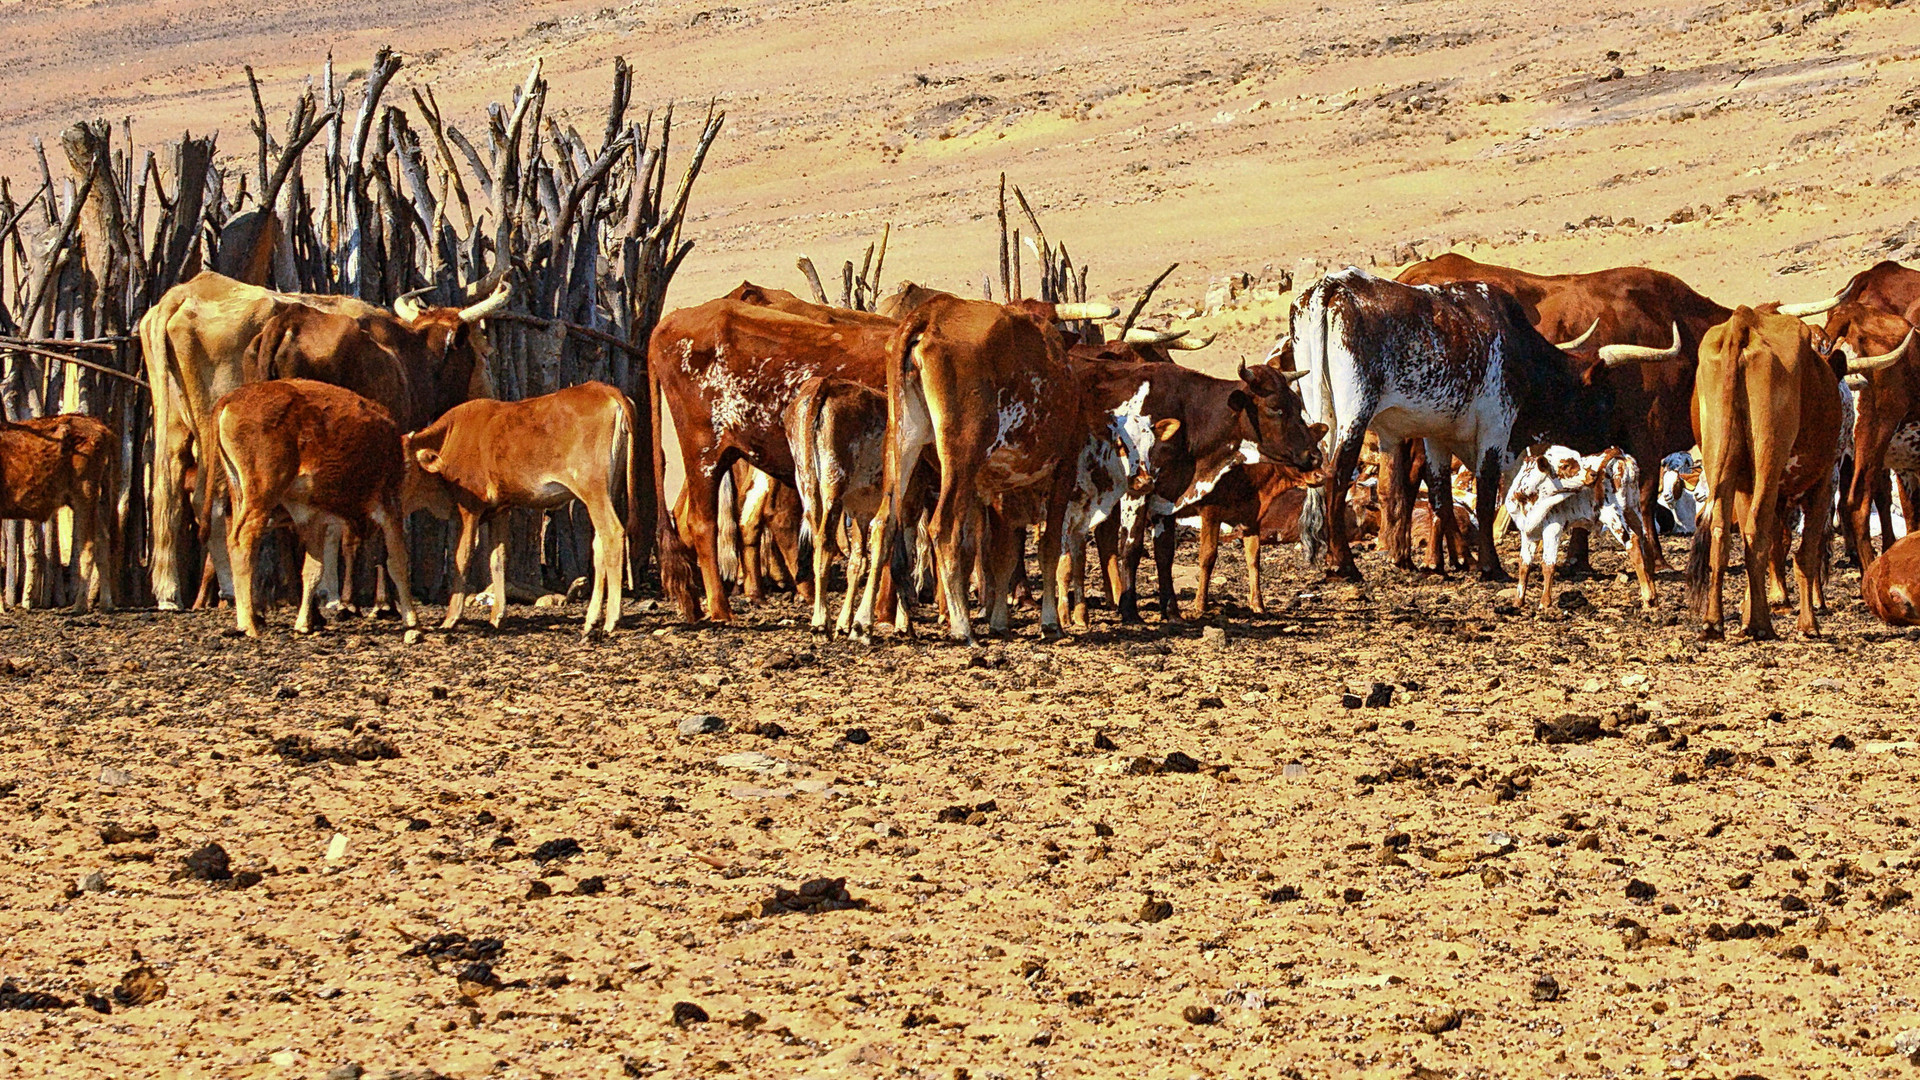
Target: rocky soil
1399	829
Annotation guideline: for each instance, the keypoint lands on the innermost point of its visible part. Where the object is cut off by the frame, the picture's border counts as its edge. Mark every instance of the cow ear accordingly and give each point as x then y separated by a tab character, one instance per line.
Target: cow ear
1317	431
1238	401
428	459
1166	429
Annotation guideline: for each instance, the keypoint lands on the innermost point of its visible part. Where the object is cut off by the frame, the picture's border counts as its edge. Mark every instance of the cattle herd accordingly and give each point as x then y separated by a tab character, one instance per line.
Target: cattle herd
921	443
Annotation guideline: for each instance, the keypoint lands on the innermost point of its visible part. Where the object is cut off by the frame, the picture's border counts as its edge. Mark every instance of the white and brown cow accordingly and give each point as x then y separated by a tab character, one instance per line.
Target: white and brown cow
1456	364
1555	490
837	429
485	457
329	457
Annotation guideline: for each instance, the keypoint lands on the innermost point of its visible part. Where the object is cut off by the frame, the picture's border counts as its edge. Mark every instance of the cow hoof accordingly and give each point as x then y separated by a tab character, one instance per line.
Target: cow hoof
1712	633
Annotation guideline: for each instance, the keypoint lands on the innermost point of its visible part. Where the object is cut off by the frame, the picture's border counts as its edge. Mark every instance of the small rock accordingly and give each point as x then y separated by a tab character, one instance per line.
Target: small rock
1546	988
565	847
1907	1042
767	729
703	724
1178	762
1440	1021
1351	701
592	886
1640	890
1572	600
95	882
286	1059
115	833
346	1070
551	600
686	1012
1792	903
412	637
1568	728
210	863
1199	1014
1213	637
539	890
1379	695
141	986
337	847
1840	742
858	736
113	777
1154	911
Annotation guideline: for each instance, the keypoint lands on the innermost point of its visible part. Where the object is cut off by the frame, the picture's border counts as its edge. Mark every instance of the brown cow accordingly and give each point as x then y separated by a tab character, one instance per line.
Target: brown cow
1628	306
329	457
1891	586
1879	356
53	461
757	531
986	389
727	370
195	340
1767	410
485	457
1885	286
837	429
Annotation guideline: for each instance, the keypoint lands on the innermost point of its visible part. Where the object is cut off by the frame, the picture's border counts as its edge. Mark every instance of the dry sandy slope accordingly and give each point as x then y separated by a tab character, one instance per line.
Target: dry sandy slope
1228	136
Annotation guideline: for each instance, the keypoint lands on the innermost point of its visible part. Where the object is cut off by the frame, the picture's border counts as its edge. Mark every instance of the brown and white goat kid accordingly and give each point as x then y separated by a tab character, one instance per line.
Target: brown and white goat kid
1555	489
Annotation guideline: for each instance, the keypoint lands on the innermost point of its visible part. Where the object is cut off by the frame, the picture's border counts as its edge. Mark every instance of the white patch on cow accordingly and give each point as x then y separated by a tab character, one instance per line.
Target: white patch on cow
1543	503
1903	452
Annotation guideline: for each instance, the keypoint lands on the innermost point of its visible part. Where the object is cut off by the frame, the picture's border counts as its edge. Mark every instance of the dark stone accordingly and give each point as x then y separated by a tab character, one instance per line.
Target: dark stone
1546	988
1379	695
1154	911
1640	890
1178	762
686	1012
210	863
590	886
858	736
565	847
1199	1014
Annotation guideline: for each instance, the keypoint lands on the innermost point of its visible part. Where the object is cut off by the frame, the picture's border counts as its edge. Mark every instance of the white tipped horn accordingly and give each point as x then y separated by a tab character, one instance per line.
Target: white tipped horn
1140	335
1295	376
1817	307
488	306
1581	340
1860	365
1189	343
1616	355
1279	347
407	306
1070	312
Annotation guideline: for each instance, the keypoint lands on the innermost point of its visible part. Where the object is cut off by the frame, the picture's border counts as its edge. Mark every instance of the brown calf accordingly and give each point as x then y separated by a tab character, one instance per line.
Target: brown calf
1877	348
485	457
1891	586
326	454
54	461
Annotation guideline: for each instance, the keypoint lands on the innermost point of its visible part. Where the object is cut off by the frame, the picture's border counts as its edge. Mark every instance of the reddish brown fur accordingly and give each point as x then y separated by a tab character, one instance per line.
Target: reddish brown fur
324	453
1765	399
416	371
51	462
1889	401
486	456
1891	586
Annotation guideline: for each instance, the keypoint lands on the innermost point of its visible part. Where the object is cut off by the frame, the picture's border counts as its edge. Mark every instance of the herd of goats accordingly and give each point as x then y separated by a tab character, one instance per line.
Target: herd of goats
920	443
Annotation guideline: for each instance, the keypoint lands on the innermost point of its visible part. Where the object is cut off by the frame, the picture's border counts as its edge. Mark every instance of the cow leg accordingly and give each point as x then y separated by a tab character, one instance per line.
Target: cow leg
1441	526
1579	554
167	500
1550	560
1399	488
1714	521
1052	540
1209	552
1648	542
1865	490
825	523
1131	547
462	558
1166	541
1250	544
217	548
1527	552
1106	546
1810	561
856	574
87	593
1637	531
243	539
1000	546
495	531
703	513
1486	495
609	545
950	556
391	531
1334	507
1760	529
313	530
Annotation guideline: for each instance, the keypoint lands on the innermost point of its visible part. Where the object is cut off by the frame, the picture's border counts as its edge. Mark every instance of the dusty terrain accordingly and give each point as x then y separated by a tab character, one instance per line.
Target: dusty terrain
1714	883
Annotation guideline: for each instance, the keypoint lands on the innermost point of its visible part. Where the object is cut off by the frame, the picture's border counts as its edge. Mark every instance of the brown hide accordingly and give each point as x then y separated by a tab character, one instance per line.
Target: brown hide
1767	412
62	461
1889	401
323	453
485	456
1891	586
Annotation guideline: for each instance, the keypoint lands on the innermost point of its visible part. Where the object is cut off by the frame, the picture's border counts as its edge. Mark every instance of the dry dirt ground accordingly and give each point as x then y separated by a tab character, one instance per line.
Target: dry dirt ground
1143	851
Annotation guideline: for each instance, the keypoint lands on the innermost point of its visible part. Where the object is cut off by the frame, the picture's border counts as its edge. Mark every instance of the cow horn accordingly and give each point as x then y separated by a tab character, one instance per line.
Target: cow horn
1140	335
406	306
1616	355
1070	312
1817	307
488	306
1189	343
1860	365
1581	340
1295	376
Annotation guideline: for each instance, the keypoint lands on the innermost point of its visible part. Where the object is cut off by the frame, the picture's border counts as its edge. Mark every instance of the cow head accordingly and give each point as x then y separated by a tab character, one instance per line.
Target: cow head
1271	408
1145	466
450	343
422	488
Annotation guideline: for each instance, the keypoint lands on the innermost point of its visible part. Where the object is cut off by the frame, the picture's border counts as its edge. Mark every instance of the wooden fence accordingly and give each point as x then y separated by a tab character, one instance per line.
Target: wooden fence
589	231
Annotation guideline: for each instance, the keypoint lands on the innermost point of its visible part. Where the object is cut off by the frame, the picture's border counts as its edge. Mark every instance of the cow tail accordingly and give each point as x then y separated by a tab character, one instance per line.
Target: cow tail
806	474
1313	509
208	488
676	559
727	527
1715	464
620	467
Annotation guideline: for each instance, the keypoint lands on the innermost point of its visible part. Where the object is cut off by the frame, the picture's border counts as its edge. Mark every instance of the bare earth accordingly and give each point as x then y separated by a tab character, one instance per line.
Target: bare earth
1716	881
